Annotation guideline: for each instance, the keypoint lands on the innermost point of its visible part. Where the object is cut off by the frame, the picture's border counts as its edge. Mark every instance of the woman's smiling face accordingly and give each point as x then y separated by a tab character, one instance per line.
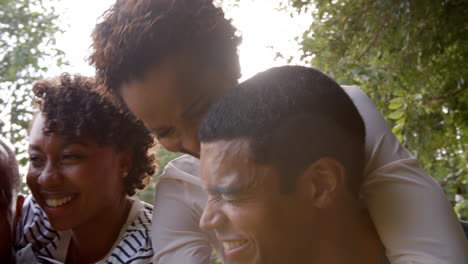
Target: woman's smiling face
74	181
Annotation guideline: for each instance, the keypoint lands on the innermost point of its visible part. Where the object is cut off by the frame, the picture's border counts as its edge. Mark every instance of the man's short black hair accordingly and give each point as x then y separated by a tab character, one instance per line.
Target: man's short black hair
291	117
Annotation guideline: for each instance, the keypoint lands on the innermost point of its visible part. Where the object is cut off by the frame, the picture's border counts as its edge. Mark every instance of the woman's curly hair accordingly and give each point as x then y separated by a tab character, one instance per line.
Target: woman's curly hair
73	107
135	35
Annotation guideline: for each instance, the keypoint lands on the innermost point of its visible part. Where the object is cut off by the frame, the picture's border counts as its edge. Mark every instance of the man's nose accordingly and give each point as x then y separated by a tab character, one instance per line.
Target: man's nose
212	217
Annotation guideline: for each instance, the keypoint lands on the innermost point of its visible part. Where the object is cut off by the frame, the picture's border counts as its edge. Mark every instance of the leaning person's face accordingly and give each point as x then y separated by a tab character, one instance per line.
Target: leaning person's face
169	100
255	222
75	182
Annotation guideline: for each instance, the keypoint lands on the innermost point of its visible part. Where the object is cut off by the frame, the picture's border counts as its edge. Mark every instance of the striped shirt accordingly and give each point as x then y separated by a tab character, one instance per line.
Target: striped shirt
51	246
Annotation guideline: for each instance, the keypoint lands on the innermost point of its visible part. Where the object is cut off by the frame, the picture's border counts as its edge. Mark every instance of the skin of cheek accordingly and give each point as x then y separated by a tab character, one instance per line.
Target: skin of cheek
261	223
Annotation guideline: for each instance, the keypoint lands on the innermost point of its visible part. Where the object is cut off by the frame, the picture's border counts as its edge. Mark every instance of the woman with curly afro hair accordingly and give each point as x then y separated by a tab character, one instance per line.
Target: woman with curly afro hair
87	158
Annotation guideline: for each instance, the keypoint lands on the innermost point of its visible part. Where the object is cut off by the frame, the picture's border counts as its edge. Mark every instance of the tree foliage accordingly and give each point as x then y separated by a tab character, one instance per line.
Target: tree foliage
163	157
27	49
409	56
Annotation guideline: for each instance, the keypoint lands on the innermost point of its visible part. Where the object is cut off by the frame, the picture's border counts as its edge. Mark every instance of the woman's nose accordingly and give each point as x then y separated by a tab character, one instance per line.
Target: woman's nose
50	176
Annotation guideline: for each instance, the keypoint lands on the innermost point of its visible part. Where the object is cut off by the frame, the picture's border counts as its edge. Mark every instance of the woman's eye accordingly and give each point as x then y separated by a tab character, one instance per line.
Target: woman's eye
35	160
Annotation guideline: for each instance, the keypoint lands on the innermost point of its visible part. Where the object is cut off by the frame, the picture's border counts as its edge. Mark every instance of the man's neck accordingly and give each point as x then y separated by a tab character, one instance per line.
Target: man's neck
352	239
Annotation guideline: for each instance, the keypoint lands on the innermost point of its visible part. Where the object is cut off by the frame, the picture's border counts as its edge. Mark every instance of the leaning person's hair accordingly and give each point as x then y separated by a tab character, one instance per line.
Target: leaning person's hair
73	107
291	116
135	35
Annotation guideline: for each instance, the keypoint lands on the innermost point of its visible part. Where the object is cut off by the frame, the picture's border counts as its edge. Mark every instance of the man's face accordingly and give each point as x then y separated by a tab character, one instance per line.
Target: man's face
254	220
171	101
6	214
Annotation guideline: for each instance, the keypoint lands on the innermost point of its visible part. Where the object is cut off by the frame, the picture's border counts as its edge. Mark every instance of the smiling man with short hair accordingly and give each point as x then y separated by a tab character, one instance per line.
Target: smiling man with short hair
282	159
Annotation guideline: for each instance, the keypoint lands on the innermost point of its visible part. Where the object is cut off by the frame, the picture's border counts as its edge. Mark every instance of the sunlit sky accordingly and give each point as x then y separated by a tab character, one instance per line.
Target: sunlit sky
265	31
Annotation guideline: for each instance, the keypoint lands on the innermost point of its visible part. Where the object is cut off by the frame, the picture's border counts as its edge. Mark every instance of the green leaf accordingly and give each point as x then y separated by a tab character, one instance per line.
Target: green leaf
401	121
395	105
396	115
397	128
398	100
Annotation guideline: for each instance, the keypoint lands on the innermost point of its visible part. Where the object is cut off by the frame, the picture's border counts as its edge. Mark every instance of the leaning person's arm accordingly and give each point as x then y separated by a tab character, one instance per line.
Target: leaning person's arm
176	235
413	218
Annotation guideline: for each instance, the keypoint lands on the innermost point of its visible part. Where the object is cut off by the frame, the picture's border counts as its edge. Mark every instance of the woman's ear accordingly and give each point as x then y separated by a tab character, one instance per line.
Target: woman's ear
320	180
126	162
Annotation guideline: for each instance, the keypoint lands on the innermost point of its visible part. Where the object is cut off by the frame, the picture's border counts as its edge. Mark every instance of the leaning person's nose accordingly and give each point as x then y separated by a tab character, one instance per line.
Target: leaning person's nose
172	144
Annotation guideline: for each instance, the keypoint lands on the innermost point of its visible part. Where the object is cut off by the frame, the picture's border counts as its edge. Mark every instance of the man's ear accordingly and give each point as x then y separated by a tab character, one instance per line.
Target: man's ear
320	180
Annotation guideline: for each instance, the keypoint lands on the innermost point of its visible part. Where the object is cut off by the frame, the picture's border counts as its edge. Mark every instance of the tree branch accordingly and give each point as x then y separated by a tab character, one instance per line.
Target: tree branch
376	36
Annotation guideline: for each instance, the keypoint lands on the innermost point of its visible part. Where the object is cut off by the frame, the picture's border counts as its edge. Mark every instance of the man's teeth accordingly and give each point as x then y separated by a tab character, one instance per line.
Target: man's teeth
233	244
58	202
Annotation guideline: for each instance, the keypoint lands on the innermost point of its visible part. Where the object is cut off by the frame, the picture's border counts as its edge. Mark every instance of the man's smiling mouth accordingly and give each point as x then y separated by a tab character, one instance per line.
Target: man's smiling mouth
232	244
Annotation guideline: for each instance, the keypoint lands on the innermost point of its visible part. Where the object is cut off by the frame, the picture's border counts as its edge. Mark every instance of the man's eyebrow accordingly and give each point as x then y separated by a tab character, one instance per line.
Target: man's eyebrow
226	190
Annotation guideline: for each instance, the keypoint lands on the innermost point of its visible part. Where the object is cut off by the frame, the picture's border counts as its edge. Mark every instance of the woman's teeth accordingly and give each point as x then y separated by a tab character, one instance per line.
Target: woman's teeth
58	202
233	244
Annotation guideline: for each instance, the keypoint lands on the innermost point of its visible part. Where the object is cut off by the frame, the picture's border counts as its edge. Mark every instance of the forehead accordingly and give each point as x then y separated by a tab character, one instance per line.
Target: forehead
227	162
230	152
37	128
38	137
172	82
155	95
